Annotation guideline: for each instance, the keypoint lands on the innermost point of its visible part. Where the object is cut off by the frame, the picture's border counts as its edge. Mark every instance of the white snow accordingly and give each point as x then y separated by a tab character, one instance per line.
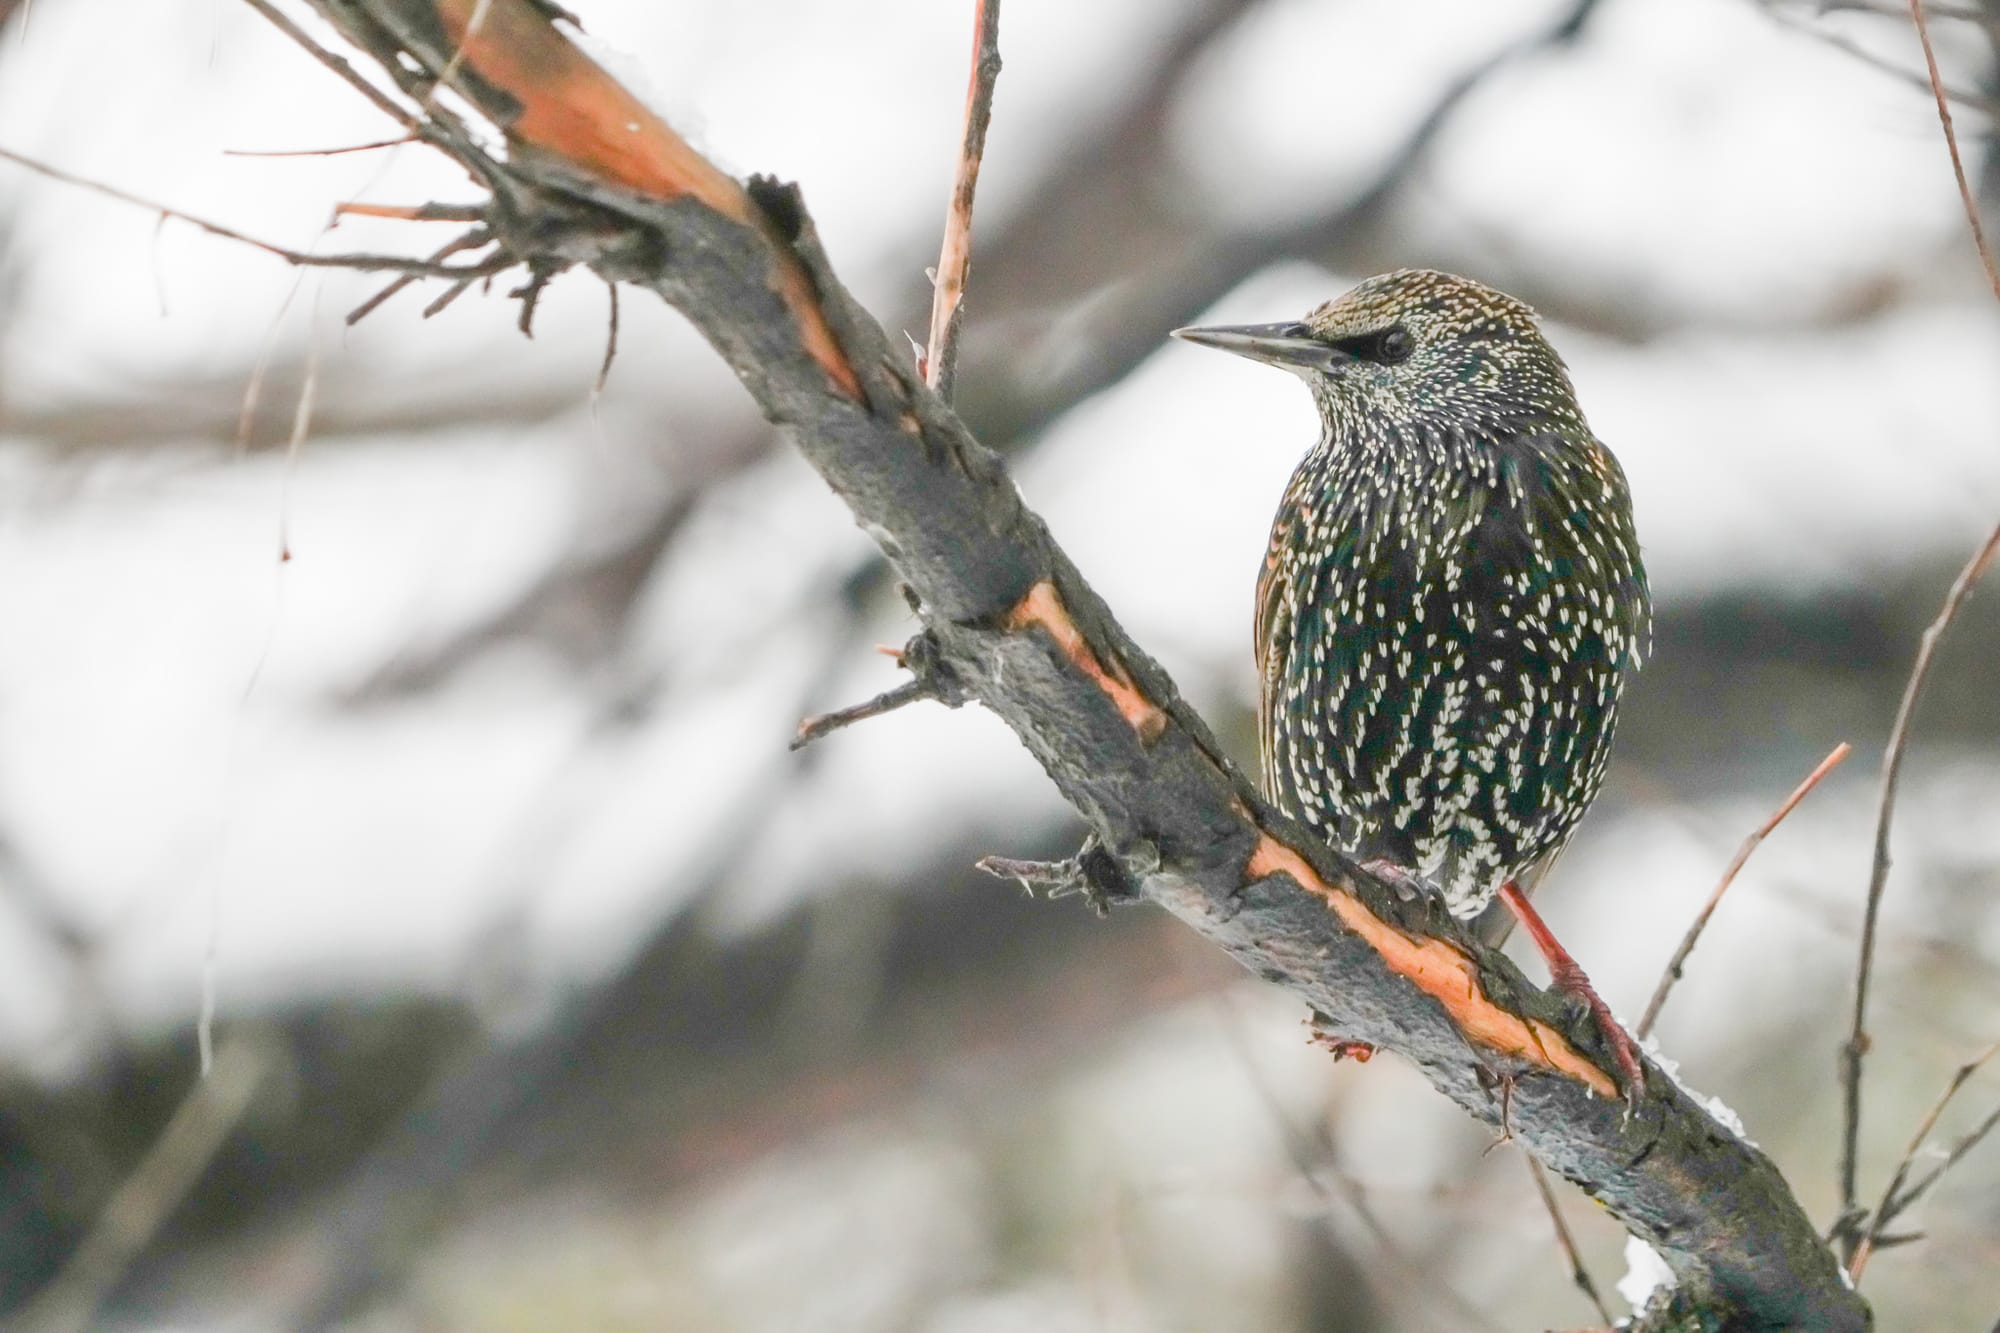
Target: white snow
1645	1273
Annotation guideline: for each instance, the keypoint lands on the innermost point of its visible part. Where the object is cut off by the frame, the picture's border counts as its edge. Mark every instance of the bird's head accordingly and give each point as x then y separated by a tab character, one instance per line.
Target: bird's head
1416	348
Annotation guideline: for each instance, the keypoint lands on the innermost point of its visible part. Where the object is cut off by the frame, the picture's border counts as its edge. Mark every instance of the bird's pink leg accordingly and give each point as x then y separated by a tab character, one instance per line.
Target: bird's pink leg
1566	976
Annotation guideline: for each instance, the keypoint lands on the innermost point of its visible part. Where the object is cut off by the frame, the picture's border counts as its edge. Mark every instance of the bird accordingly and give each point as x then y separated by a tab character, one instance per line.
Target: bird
1451	603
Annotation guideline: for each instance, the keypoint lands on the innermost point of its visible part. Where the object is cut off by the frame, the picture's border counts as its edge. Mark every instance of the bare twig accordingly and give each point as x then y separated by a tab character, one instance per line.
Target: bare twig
1951	143
1951	1158
1895	1199
1962	13
170	1168
1577	1272
888	701
436	126
1862	54
396	142
610	344
471	240
955	260
418	127
1846	1227
359	262
930	678
1750	844
447	296
475	26
413	212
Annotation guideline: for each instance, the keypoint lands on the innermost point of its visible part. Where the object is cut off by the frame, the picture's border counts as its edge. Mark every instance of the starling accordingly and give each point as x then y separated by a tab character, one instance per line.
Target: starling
1451	600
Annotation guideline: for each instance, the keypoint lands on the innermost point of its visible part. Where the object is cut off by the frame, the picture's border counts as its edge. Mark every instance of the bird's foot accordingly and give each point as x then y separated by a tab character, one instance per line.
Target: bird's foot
1407	883
1567	977
1571	981
1093	875
1321	1032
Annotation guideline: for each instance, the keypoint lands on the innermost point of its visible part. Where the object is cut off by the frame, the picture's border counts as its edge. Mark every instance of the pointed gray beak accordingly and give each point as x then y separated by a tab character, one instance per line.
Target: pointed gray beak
1286	345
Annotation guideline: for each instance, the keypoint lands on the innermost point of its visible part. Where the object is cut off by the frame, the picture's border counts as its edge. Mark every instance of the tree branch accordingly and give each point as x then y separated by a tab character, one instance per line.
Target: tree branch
1672	975
593	178
955	259
1895	1198
1856	1046
150	1194
1965	195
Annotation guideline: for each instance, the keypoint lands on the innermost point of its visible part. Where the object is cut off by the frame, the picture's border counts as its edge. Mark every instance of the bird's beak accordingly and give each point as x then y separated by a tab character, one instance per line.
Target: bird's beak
1273	344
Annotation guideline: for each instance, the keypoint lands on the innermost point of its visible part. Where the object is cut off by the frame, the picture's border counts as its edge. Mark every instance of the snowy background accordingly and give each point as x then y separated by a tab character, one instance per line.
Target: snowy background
575	1000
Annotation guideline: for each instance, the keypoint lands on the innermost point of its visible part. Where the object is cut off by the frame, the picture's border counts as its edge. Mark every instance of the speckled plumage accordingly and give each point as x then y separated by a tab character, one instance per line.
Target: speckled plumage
1453	594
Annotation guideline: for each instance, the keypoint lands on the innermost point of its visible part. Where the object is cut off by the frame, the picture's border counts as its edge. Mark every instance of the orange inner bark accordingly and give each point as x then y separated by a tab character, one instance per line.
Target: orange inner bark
570	107
1439	971
1043	606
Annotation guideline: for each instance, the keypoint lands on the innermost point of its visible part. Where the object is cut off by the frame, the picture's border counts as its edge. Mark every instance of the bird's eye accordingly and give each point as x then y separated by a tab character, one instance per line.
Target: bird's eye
1395	345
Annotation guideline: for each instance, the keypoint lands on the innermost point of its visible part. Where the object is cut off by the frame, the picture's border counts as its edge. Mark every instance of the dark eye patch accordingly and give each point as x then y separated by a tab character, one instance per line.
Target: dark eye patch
1383	346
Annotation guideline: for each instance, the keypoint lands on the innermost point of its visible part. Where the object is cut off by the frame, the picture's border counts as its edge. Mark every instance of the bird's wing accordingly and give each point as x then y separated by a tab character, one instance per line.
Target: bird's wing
1635	595
1272	586
1271	625
1270	590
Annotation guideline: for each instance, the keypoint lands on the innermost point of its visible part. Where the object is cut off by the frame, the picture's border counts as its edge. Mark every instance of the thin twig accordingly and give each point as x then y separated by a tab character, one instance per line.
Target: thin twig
437	127
446	297
1858	52
1950	1159
1577	1272
396	142
471	240
359	262
1892	766
610	344
474	26
888	701
387	105
154	1189
253	389
955	259
1750	844
413	212
1895	1200
929	678
1962	13
1951	143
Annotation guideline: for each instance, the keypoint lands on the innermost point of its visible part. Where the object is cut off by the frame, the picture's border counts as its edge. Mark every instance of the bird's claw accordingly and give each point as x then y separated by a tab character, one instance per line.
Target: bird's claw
1624	1050
1321	1032
1408	884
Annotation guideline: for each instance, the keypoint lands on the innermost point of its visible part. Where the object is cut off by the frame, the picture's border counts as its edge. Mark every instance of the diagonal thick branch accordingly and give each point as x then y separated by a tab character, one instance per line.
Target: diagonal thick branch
594	179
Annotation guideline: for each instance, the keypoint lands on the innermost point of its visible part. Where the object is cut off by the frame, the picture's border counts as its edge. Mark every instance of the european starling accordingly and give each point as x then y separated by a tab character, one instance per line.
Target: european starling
1451	600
